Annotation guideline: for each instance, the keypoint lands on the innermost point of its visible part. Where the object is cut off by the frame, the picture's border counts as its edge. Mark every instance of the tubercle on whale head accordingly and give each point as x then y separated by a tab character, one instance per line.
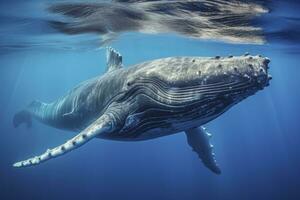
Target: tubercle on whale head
249	70
255	70
231	77
244	68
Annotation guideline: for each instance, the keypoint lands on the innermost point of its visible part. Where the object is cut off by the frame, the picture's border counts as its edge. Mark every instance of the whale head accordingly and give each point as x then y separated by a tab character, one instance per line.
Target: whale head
204	88
234	78
185	92
225	81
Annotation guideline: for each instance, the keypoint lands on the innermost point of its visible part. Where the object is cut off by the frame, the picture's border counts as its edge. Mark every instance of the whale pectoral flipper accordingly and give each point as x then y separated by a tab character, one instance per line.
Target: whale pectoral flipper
102	125
198	139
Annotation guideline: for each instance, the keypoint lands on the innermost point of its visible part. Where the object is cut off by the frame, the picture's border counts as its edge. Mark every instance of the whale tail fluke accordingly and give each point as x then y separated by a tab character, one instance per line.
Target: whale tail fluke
23	116
34	109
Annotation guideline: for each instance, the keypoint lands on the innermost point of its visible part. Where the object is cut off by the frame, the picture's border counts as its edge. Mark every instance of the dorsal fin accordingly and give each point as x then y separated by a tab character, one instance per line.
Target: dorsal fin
113	59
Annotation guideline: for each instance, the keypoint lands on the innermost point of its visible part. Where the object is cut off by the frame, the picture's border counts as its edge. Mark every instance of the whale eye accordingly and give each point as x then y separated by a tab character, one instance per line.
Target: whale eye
261	69
128	83
193	60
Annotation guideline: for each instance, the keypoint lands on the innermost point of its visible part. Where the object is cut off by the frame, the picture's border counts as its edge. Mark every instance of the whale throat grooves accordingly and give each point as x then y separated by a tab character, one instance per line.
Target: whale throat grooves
161	103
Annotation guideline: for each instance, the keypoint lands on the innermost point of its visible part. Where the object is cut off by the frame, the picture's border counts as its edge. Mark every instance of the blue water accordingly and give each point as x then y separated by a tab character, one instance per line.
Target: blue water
256	142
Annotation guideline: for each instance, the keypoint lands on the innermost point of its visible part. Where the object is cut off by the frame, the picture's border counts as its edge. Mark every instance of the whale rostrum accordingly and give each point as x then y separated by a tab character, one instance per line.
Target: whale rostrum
150	100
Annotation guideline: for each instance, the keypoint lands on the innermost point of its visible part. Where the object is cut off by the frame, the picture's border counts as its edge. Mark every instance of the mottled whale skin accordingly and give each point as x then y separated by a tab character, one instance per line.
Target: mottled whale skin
150	100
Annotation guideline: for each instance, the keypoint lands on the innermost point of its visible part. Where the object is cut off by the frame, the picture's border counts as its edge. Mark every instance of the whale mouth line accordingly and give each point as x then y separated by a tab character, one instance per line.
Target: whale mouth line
162	111
169	103
177	98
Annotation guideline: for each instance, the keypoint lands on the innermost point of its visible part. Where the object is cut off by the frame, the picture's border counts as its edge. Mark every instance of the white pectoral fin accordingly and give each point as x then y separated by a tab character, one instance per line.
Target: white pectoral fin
100	126
198	139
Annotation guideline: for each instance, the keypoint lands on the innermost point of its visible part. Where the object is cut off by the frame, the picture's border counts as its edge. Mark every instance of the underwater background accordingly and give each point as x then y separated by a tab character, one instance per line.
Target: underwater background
256	142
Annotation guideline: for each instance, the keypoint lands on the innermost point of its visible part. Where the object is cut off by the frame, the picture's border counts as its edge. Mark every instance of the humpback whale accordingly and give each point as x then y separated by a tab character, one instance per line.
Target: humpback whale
150	100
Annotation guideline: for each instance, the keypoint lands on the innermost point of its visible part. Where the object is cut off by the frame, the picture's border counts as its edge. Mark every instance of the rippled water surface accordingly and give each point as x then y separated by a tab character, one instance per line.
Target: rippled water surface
48	47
